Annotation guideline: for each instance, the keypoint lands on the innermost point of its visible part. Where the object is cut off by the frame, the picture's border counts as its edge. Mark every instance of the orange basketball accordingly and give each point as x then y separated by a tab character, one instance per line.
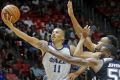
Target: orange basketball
13	11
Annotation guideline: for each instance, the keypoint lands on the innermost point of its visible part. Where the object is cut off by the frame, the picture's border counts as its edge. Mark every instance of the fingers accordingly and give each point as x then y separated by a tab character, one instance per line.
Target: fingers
7	17
69	3
87	27
43	46
71	76
3	16
11	18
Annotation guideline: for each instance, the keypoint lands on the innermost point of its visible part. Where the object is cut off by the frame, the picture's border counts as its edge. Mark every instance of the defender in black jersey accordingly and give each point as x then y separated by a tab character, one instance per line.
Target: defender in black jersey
105	40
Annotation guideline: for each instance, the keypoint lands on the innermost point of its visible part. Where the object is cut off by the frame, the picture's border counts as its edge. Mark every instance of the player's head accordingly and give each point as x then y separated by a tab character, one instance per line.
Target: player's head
109	39
108	51
57	35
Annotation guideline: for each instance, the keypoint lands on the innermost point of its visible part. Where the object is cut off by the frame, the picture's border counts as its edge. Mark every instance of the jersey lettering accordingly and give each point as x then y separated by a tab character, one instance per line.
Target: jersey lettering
114	65
55	60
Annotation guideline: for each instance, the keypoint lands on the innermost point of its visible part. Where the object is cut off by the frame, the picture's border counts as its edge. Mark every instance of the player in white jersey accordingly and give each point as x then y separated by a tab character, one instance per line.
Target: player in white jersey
55	69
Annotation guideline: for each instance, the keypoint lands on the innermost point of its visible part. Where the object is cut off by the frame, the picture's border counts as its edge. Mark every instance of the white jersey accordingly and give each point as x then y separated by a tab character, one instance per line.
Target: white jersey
55	68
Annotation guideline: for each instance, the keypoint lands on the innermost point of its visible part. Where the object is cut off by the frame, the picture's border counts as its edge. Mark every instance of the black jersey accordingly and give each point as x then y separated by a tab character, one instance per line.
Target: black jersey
110	70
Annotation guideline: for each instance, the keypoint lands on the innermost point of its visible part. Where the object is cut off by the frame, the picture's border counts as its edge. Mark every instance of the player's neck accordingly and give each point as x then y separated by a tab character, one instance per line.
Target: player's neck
58	45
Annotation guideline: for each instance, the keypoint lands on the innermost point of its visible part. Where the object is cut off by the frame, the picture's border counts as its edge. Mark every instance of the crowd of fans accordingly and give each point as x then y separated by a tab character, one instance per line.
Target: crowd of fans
110	9
18	59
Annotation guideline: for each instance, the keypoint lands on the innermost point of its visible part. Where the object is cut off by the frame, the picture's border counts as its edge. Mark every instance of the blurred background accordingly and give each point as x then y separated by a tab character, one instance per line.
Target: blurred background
19	60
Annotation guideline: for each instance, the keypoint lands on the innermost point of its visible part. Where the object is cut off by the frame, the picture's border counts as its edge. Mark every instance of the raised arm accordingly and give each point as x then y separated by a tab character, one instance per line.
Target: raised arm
77	27
31	40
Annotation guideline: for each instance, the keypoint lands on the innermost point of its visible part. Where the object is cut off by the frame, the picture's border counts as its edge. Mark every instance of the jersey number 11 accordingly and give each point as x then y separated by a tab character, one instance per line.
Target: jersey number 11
57	68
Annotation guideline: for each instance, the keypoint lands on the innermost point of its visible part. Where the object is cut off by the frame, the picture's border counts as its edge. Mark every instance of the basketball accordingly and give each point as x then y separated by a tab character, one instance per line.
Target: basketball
13	11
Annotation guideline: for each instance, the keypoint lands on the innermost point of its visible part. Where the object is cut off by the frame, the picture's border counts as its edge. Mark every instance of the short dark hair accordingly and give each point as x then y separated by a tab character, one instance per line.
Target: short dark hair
112	49
112	39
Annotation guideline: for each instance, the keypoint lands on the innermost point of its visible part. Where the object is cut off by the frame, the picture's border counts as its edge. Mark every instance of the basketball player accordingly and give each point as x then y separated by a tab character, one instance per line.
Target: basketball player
110	39
105	69
55	68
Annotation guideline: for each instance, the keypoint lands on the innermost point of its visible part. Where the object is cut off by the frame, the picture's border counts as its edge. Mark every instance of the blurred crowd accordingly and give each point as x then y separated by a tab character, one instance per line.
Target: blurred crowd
111	9
21	61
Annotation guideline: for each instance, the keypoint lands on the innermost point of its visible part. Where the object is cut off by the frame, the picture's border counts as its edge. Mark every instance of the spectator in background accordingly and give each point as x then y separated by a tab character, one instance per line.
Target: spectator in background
36	72
18	66
9	60
59	23
2	75
10	75
72	38
25	71
28	21
25	8
35	2
93	27
42	32
49	26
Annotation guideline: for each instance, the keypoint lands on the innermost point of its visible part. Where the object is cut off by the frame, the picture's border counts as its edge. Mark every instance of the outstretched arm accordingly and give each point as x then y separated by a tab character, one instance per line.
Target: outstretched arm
77	27
31	40
73	60
68	59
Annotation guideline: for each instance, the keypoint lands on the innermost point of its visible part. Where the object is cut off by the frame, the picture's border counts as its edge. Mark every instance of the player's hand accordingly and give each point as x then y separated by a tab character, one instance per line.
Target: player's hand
70	8
86	31
72	76
7	20
44	46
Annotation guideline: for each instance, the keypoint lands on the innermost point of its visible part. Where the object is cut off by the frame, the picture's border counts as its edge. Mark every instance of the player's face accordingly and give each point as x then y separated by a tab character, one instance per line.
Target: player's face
102	42
104	52
57	35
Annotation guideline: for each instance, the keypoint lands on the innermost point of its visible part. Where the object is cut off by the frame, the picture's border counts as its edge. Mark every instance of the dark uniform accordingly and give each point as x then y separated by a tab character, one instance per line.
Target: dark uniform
109	71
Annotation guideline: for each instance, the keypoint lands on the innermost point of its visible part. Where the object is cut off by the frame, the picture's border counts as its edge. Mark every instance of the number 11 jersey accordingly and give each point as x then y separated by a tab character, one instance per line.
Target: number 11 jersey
55	68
